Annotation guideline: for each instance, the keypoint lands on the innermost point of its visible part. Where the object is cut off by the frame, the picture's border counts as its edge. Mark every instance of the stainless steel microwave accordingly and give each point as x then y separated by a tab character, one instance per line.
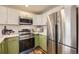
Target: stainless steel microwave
25	21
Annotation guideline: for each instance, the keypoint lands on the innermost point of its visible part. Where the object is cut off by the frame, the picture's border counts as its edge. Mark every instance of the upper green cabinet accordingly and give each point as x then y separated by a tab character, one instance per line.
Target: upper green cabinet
10	46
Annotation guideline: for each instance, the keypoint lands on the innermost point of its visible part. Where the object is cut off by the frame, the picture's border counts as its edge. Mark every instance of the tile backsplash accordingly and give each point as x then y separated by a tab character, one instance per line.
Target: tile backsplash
15	28
10	27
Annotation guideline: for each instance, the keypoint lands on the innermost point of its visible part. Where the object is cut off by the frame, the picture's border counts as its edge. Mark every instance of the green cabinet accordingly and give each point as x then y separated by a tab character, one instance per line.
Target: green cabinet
36	40
10	46
2	47
41	40
13	45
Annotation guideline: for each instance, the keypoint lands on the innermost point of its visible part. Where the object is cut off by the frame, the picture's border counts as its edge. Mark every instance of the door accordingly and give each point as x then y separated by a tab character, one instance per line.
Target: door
3	15
42	42
67	31
13	16
51	34
13	45
64	49
26	44
2	47
62	30
36	40
35	20
51	47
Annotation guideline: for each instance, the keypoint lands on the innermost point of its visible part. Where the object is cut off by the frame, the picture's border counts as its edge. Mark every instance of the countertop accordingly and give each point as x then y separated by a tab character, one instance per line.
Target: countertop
7	36
40	33
13	35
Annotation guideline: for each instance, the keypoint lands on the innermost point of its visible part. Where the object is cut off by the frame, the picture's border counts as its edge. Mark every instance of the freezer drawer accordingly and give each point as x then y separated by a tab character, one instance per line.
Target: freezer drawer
62	49
51	47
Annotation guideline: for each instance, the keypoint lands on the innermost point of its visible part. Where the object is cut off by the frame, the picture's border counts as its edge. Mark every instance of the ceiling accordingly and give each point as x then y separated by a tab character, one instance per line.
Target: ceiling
36	9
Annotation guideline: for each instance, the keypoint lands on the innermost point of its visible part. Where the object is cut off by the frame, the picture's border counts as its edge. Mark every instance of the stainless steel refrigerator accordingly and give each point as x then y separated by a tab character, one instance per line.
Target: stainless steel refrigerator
61	33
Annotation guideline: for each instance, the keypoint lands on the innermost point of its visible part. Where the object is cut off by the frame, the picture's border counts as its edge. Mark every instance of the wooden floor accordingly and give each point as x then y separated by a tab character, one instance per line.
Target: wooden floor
38	50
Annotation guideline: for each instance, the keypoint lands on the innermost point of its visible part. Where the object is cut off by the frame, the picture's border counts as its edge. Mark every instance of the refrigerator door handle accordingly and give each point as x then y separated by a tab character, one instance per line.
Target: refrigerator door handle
56	37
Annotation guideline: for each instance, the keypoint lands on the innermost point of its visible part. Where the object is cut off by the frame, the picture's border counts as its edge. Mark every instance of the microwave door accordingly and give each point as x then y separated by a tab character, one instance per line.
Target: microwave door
25	21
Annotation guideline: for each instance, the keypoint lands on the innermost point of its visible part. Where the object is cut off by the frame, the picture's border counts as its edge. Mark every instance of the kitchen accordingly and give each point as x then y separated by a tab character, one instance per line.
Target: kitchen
19	29
24	30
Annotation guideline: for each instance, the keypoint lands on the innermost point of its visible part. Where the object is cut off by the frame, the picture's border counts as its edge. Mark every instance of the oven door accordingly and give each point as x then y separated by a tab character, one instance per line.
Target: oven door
26	44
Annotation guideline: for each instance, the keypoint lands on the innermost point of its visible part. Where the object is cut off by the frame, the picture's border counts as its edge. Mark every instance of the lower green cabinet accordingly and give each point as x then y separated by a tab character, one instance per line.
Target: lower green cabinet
3	47
36	40
43	42
13	45
10	46
40	40
0	48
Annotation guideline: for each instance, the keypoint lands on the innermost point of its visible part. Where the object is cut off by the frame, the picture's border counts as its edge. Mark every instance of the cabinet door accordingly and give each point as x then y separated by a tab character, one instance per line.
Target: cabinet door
39	19
13	16
43	20
43	42
3	15
13	45
36	40
3	47
35	20
0	48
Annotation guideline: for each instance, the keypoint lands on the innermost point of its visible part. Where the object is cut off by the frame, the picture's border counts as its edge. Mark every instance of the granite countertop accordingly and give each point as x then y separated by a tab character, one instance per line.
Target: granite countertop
40	33
7	36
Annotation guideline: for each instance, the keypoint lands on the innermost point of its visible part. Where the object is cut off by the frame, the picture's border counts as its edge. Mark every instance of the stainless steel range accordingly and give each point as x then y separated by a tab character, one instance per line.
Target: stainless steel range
25	34
26	40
